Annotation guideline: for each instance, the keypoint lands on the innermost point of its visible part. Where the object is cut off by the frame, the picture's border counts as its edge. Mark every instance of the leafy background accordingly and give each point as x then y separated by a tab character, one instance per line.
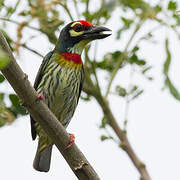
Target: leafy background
136	70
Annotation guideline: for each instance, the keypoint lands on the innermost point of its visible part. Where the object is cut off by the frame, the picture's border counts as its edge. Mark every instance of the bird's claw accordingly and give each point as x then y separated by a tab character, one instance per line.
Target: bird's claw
40	96
72	139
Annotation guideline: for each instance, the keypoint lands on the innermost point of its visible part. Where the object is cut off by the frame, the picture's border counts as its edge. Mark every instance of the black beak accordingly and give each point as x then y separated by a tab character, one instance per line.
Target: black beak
96	33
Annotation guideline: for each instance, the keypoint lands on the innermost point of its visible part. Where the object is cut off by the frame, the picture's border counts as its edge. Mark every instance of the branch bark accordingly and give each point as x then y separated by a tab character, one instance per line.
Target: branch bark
39	111
90	89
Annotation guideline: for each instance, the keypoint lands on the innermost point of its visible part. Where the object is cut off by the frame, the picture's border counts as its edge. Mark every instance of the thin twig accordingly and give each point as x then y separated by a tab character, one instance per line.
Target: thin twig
90	89
149	32
15	7
30	49
169	26
125	144
76	8
94	68
127	101
87	10
174	28
15	22
67	10
100	12
109	135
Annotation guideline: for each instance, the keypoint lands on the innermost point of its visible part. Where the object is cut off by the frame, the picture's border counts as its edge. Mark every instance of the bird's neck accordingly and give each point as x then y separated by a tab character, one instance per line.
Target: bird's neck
70	54
65	47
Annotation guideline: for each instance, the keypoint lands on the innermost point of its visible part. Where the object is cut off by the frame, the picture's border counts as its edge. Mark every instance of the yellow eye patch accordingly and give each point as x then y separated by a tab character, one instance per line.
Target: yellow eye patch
75	24
74	33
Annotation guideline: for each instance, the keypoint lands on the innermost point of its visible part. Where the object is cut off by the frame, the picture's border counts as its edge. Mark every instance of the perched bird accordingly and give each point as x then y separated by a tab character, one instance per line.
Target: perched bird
59	82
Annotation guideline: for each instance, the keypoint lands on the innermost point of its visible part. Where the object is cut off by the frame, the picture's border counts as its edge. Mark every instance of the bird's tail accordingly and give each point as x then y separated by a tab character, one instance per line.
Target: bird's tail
42	159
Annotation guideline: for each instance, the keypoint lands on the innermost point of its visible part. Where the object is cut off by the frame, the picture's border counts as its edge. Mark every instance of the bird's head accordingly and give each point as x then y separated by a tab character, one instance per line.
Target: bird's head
74	36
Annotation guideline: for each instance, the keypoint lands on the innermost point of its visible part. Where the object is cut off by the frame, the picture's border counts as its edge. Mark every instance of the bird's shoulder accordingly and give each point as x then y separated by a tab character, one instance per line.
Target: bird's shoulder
42	68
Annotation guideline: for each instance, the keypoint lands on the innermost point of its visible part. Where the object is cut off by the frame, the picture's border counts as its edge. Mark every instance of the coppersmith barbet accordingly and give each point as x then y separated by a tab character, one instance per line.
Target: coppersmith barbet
59	81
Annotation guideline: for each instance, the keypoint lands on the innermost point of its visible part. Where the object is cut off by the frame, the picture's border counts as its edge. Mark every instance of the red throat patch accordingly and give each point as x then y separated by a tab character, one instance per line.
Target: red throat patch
76	58
84	23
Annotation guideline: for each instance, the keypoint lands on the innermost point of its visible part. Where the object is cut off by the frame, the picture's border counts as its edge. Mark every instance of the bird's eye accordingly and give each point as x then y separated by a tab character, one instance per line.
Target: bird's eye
78	28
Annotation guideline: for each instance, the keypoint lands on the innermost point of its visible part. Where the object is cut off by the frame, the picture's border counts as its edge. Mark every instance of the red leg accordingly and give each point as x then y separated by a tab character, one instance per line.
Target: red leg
40	96
72	139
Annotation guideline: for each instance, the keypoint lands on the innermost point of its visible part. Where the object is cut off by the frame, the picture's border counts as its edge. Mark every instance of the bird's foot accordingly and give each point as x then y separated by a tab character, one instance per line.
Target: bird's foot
40	96
72	139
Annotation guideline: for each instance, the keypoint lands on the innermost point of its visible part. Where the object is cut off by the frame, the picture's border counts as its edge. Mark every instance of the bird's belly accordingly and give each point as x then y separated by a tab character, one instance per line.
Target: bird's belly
61	94
64	104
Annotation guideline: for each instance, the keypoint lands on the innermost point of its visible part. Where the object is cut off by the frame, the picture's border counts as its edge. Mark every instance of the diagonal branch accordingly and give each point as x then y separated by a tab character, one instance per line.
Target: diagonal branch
125	144
15	22
39	111
90	89
30	49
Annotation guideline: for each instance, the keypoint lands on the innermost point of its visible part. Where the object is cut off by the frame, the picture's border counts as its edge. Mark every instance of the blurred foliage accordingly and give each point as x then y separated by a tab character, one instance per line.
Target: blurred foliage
4	59
47	16
9	113
109	61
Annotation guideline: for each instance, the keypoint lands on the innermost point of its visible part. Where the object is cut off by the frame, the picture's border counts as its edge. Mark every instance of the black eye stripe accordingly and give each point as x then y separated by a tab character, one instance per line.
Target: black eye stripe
87	28
78	28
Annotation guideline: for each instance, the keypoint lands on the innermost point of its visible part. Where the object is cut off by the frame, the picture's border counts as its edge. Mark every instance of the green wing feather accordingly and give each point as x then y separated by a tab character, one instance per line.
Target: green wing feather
38	80
36	83
81	82
42	68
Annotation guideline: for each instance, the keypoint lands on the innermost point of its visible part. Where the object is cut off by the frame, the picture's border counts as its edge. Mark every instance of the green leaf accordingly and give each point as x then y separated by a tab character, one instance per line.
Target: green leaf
6	116
103	138
172	5
176	16
168	58
126	25
9	40
1	97
110	60
172	88
127	22
146	69
133	89
150	78
4	59
141	62
135	49
14	99
158	8
1	78
104	122
121	91
137	94
16	108
2	122
10	10
134	60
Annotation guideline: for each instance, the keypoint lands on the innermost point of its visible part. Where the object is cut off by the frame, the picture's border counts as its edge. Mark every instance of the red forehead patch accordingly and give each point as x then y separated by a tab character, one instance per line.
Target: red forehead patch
85	23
